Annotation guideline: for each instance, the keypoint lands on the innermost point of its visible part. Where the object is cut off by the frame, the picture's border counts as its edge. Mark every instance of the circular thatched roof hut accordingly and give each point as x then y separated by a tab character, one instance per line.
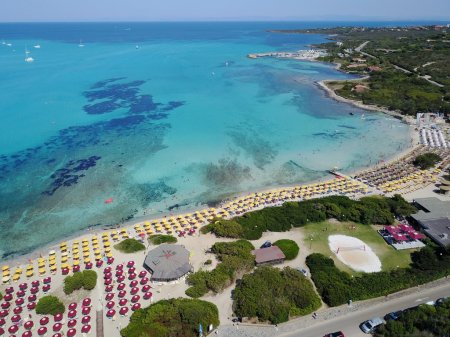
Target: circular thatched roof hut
168	262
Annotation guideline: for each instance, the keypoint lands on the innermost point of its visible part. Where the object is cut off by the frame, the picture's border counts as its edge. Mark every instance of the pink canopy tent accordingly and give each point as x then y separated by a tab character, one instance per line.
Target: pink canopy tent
416	236
392	229
399	237
406	228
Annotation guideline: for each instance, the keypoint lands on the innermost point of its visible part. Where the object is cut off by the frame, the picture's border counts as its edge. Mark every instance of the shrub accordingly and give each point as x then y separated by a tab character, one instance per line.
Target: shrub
86	279
158	239
427	160
174	317
208	262
129	246
289	248
1	296
49	305
89	279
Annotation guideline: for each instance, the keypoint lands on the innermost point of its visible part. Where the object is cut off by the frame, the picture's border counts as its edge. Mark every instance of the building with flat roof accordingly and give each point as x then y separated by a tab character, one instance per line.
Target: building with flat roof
168	262
269	255
434	219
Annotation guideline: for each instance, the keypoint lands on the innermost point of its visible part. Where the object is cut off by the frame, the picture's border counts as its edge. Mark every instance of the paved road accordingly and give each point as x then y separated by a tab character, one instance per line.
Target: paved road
344	318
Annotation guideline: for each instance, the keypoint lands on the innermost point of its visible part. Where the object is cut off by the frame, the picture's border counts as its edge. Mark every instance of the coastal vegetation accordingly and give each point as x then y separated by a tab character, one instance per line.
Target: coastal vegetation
289	248
424	320
158	239
235	259
129	246
87	279
337	287
274	295
172	318
1	296
49	305
427	160
367	210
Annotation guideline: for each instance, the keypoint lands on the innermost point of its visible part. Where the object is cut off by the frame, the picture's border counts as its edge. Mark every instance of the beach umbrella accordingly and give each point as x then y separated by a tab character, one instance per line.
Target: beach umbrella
19	301
122	293
130	264
46	288
110	304
23	286
109	296
17	310
34	290
20	293
133	283
121	278
16	318
107	270
9	290
136	306
57	335
76	268
5	305
89	265
107	282
123	311
27	334
57	326
28	325
110	260
134	290
135	298
132	276
2	321
99	263
123	302
72	323
109	288
144	281
44	320
65	271
86	328
86	310
119	272
32	298
86	319
148	295
142	273
8	297
42	330
71	332
35	283
110	313
58	317
13	329
131	270
119	267
146	288
72	306
72	313
86	302
31	305
47	280
2	332
107	276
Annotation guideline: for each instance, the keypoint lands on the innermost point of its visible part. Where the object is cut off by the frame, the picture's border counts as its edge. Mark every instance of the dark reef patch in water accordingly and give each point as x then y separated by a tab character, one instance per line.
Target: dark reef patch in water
224	174
347	127
156	192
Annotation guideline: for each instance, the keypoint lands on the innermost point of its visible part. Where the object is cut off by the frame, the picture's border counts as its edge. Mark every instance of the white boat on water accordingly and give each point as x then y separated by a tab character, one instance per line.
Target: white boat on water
28	58
38	46
81	45
9	44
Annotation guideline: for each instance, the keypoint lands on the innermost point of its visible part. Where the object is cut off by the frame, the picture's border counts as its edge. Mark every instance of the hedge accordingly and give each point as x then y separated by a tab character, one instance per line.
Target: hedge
427	160
49	305
158	239
86	279
129	246
289	248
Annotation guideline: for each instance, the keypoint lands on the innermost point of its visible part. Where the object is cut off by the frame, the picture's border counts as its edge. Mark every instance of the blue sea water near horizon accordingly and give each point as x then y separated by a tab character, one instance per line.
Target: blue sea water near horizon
163	117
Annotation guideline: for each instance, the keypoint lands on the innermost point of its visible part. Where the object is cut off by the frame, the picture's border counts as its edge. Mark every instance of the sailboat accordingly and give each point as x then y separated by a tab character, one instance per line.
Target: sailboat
81	45
28	58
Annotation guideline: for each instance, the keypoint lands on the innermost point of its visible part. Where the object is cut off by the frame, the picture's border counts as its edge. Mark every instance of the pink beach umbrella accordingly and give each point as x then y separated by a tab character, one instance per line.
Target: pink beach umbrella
146	288
9	290
109	296
57	327
142	274
2	332
27	334
42	330
13	329
119	272
119	267
34	290
99	263
44	320
72	313
122	293
110	304
123	311
19	301
76	269
121	286
6	305
86	310
135	298
148	295
28	325
57	334
58	317
23	286
132	276
2	321
134	291
107	276
17	310
144	281
8	297
35	283
32	298
121	278
86	319
72	306
107	282
47	280
130	264
20	293
86	328
16	318
46	287
107	270
123	302
72	323
110	313
65	271
86	302
136	306
109	288
71	332
89	265
31	305
3	313
110	260
131	270
133	283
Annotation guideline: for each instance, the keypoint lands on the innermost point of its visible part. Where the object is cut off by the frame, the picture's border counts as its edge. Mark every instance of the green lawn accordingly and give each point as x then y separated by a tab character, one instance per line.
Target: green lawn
319	232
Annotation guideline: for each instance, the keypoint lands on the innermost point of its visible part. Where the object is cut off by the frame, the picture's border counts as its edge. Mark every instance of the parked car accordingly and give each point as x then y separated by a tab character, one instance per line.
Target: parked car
370	325
303	271
441	300
393	315
335	334
266	244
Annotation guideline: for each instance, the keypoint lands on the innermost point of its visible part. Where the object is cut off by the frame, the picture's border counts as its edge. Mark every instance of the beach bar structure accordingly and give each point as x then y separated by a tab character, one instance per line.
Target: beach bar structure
269	255
434	219
168	262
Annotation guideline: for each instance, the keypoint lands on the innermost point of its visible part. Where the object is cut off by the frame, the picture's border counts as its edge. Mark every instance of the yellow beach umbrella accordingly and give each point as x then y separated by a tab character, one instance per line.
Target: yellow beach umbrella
16	277
29	273
4	268
42	271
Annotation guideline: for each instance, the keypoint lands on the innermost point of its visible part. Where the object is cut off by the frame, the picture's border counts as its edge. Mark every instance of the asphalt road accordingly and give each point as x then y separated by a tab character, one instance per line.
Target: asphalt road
349	322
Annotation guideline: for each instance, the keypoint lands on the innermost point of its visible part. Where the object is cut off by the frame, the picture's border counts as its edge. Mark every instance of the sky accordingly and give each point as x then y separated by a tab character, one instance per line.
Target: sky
222	10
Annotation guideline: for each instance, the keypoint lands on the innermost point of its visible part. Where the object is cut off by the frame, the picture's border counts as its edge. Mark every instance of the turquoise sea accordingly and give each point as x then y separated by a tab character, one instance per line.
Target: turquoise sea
162	117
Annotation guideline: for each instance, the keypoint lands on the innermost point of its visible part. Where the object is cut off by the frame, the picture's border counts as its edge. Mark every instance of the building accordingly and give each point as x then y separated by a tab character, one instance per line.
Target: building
270	255
168	262
434	219
374	68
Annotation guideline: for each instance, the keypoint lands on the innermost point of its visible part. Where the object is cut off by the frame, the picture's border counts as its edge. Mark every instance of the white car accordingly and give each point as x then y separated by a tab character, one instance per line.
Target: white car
370	325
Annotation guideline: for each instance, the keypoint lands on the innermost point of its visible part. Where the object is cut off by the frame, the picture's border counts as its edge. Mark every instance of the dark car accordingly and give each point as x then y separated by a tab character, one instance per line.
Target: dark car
266	244
335	334
393	315
441	300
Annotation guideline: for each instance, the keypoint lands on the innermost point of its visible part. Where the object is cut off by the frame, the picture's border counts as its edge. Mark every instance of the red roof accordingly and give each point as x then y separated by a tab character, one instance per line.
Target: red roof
268	254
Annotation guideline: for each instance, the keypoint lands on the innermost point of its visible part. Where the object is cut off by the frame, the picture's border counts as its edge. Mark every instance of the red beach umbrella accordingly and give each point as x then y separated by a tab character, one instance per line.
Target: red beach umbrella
72	313
107	276
57	326
110	304
108	282
47	280
65	271
123	302
86	302
46	288
34	290
3	313
133	283
86	319
58	317
107	270
2	332
42	330
110	260
28	325
134	291
27	334
16	318
130	264
35	283
32	298
121	286
8	297
109	296
135	298
109	288
86	328
31	305
99	263
72	306
9	290
6	305
13	329
17	310
144	281
71	332
23	286
2	321
57	335
123	311
120	278
20	293
132	276
142	274
110	313
44	320
136	306
146	288
148	295
131	270
72	323
76	268
119	272
19	301
89	265
122	293
119	267
86	310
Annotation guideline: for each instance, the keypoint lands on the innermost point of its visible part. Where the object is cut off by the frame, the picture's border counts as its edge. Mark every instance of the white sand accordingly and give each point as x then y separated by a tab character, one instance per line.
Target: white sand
354	253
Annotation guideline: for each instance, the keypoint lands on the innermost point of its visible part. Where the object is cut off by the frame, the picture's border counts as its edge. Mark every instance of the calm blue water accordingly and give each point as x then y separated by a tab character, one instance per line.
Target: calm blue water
183	120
